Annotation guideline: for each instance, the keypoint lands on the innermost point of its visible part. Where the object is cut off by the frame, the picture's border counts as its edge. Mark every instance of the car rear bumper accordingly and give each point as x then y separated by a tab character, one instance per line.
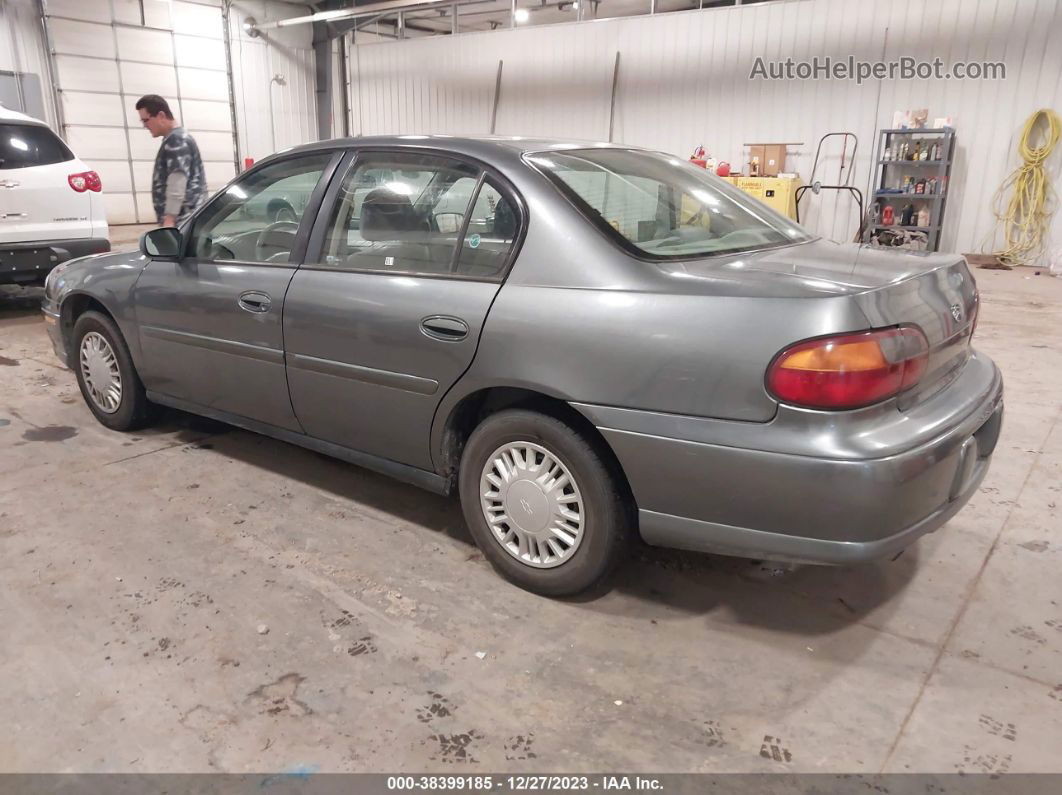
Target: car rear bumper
778	505
26	263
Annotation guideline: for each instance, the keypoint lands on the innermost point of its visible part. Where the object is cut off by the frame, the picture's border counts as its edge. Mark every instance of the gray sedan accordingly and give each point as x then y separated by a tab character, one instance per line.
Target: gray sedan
588	343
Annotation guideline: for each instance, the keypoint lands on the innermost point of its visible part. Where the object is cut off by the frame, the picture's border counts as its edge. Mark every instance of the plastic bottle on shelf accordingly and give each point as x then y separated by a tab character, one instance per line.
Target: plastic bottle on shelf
907	216
923	216
887	216
920	186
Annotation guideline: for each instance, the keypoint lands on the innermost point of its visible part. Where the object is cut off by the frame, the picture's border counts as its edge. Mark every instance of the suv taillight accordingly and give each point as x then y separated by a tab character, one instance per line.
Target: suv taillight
86	180
849	371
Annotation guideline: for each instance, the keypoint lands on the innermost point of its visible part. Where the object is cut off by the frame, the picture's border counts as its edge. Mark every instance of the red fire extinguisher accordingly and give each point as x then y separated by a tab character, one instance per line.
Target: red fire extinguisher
887	216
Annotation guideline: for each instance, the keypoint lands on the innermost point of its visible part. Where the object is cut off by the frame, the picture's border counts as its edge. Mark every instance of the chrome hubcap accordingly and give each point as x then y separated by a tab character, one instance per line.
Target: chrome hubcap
99	369
532	504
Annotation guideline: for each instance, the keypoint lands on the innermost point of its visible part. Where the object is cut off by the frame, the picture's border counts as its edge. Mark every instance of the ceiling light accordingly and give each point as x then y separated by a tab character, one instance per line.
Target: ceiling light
522	15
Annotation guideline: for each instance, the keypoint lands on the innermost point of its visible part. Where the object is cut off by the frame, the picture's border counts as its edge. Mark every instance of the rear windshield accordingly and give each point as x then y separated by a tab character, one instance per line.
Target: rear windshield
663	207
23	145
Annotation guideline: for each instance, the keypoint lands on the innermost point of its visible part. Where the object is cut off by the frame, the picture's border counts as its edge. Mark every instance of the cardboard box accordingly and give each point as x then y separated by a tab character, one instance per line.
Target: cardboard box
772	158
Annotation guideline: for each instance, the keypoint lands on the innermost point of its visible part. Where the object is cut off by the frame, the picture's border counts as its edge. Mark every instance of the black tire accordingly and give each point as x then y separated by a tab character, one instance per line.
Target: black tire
607	525
134	410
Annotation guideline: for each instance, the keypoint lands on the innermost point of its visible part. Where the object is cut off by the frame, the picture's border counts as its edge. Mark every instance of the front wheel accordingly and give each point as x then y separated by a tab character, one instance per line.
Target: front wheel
542	503
106	375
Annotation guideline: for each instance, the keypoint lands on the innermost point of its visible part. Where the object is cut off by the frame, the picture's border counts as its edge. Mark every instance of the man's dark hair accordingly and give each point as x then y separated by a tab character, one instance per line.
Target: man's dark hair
154	105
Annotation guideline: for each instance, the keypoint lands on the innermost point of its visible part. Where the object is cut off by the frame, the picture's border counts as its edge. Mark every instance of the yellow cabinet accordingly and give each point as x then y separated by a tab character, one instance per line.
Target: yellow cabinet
778	193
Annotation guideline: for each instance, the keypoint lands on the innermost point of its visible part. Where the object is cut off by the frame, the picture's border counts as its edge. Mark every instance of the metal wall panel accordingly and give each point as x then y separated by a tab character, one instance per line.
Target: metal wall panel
273	78
96	143
82	38
199	52
22	51
203	84
140	78
154	46
85	74
104	63
684	81
208	115
102	109
196	19
79	9
121	208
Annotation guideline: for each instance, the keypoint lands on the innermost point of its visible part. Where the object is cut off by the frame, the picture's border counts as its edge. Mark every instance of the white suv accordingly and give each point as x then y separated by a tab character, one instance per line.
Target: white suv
51	207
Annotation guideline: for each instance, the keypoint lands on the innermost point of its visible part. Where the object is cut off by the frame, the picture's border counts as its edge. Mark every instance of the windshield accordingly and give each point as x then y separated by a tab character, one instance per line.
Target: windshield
664	207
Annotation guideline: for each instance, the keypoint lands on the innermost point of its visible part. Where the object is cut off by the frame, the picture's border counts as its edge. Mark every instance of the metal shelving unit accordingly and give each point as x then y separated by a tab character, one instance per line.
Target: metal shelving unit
892	171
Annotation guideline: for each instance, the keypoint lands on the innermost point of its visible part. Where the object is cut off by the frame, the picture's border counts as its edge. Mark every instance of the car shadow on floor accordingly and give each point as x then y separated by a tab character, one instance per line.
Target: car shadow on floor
17	302
655	583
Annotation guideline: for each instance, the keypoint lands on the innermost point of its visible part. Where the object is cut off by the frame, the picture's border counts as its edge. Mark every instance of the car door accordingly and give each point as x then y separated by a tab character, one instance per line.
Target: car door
386	313
210	323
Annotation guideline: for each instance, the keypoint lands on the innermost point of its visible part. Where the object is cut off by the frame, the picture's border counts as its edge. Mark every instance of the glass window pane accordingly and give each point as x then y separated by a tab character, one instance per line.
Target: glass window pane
257	218
492	228
400	213
664	206
24	145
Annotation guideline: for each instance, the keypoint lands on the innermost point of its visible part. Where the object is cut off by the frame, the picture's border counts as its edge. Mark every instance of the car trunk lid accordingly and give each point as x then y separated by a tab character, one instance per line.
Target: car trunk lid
942	301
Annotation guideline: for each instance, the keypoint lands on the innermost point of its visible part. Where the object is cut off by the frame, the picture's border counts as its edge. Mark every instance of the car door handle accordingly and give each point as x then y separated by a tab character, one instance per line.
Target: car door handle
255	302
445	328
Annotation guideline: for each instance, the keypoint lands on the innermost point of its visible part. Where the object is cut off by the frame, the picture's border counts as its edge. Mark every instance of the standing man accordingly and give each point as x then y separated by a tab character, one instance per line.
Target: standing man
178	184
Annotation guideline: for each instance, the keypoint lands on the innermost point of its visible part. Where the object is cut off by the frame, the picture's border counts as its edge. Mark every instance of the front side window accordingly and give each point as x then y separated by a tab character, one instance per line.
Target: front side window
400	213
25	145
257	218
663	207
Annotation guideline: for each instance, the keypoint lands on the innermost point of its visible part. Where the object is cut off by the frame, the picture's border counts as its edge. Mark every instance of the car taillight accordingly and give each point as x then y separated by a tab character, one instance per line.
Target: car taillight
86	180
849	371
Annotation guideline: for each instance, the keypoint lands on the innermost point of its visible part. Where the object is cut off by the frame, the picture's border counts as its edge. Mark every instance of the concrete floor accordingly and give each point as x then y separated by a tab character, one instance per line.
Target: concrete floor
135	571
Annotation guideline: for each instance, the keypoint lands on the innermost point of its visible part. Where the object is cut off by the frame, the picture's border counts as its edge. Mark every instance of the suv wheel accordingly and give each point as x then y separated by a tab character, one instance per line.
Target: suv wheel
109	382
541	503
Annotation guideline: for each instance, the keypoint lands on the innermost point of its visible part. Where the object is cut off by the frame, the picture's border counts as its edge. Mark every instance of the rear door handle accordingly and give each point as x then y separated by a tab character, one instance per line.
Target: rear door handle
256	302
444	327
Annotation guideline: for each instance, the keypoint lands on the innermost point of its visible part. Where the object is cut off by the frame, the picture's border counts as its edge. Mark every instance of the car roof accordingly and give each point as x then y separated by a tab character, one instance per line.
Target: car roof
6	114
481	146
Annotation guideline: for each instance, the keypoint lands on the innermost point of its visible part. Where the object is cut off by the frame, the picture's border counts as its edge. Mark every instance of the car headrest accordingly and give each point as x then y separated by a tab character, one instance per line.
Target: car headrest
386	215
504	221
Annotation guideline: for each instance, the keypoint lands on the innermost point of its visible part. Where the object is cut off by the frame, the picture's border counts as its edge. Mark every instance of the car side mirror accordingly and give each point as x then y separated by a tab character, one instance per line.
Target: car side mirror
162	243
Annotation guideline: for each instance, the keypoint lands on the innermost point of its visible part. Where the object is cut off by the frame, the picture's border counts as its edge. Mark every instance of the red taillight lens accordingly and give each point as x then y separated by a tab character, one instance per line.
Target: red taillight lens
86	180
849	371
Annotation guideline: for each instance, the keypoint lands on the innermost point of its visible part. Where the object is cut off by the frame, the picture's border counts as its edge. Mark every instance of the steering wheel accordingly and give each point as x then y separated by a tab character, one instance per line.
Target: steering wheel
275	242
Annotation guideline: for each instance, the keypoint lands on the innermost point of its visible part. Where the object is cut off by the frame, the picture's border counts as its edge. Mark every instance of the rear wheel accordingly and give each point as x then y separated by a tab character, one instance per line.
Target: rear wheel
542	503
106	375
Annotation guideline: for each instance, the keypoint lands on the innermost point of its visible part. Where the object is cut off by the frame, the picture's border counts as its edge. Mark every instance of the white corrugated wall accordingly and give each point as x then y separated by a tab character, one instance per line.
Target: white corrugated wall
272	82
22	46
684	80
105	55
273	79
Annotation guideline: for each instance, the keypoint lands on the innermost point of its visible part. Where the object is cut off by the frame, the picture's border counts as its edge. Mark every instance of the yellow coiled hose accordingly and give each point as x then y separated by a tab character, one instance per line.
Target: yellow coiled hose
1024	222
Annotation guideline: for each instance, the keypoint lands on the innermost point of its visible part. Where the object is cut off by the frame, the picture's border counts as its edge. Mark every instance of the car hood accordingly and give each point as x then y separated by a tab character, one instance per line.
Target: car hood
816	268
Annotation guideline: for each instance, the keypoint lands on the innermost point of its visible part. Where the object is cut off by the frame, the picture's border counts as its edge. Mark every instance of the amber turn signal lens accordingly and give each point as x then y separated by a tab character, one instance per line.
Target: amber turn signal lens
849	371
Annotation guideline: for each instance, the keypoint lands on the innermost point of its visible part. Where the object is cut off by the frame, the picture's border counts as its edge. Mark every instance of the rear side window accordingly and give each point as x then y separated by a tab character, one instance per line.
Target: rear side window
24	145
